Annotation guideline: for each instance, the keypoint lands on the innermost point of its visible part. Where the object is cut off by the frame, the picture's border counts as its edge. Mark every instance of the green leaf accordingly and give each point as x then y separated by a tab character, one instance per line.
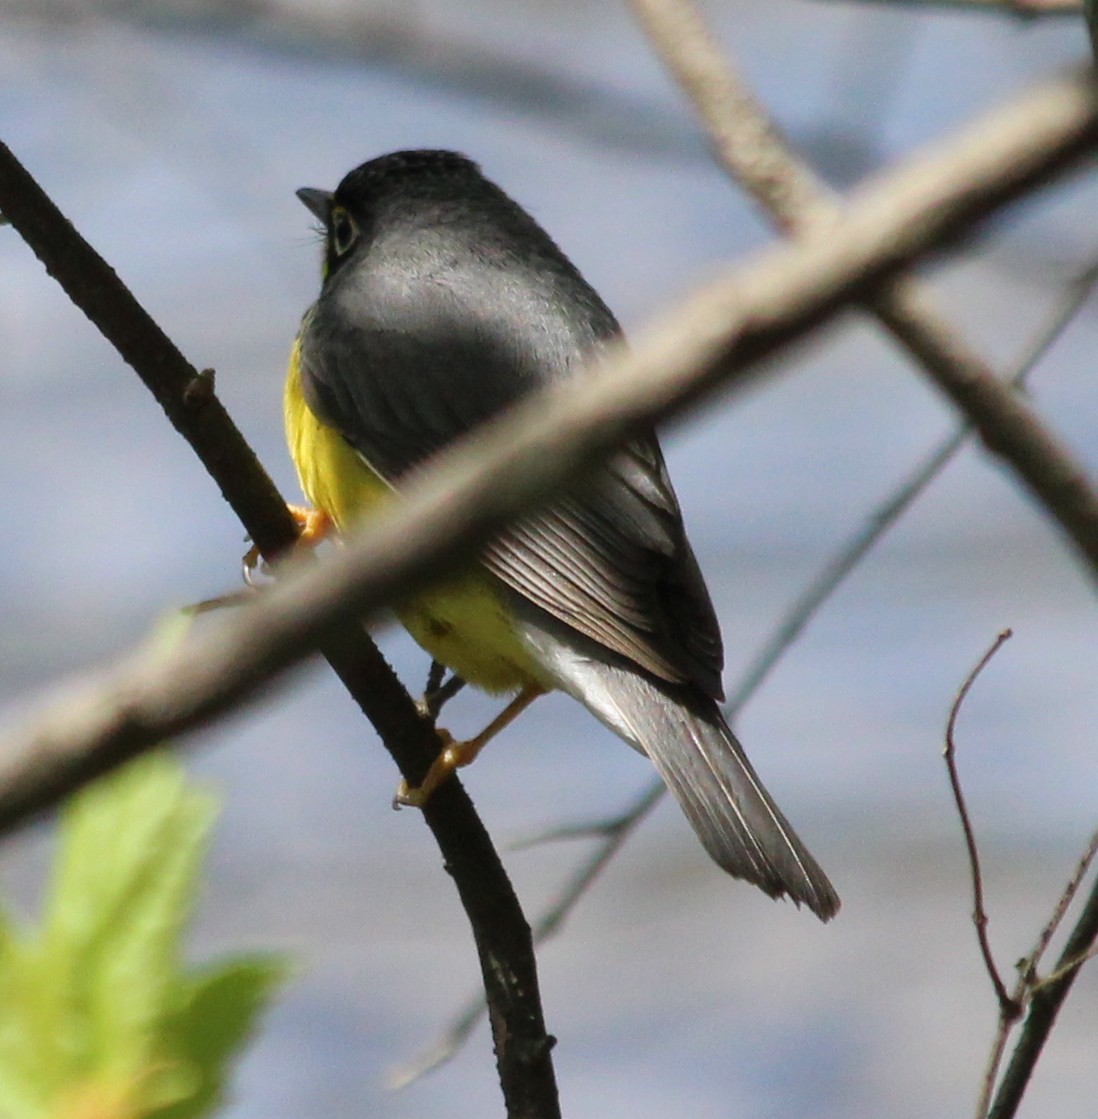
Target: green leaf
98	1016
215	1018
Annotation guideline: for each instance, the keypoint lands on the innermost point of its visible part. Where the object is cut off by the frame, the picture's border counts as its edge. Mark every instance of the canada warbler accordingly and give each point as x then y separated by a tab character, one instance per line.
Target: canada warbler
442	303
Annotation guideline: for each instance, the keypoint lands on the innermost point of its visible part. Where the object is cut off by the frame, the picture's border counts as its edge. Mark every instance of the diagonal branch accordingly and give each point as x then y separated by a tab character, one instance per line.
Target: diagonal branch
461	501
719	335
499	926
1048	997
756	156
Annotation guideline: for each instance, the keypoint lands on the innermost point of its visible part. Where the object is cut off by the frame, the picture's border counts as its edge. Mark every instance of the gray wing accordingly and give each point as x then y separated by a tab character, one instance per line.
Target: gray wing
610	558
613	561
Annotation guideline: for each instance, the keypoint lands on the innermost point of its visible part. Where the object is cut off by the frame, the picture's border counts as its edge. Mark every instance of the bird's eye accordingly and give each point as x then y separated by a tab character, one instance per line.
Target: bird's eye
344	230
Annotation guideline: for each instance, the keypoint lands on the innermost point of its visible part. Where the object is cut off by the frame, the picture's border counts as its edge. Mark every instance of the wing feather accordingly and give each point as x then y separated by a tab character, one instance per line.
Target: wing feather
610	558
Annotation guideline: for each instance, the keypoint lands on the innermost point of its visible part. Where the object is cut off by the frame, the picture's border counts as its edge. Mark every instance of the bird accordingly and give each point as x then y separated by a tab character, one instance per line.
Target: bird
443	303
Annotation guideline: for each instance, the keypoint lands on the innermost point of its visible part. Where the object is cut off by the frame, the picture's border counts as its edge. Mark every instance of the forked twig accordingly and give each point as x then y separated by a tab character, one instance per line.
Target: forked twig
1047	997
439	691
1064	970
1028	985
1008	1006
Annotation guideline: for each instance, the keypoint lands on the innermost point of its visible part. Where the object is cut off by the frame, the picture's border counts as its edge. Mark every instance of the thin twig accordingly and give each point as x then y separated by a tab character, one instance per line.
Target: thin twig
1063	970
502	935
1008	1007
551	919
231	600
1027	981
1067	896
853	551
995	1056
616	831
435	675
1048	997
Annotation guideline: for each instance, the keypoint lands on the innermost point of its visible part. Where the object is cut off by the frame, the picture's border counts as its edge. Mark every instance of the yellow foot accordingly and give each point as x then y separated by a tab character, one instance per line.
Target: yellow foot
456	754
313	526
452	756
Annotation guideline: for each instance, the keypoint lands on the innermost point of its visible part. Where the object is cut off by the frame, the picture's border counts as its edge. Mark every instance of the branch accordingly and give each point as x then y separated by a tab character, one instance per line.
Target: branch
718	336
1041	999
1027	982
611	834
756	156
133	709
616	831
1009	1008
473	493
1066	898
1048	998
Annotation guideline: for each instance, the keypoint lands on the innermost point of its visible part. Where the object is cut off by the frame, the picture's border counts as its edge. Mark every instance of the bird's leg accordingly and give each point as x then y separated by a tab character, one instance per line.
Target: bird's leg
313	525
456	754
438	692
435	675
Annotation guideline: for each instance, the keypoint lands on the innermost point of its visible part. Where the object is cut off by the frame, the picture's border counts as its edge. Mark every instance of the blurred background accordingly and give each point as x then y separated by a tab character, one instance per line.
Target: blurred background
174	136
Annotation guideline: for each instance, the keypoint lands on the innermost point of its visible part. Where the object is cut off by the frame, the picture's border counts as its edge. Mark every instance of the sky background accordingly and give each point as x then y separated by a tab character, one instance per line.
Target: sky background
174	136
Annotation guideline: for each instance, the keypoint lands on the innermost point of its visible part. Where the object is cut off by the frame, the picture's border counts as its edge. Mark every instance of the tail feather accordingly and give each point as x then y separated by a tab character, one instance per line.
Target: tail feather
734	816
699	759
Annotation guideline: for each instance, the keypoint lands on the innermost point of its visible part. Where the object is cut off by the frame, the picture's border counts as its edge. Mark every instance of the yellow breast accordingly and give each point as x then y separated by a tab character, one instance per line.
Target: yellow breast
462	622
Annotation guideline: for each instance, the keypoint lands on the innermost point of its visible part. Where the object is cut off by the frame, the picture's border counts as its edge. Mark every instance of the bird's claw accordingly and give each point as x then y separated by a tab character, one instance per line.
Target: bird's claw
452	756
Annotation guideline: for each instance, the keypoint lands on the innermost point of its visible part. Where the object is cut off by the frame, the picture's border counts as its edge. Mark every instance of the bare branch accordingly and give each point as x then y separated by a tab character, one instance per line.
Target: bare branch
616	831
789	628
1027	975
1066	898
854	550
1008	1007
788	292
1048	998
1008	425
132	711
439	691
1063	970
474	488
757	157
746	141
995	1059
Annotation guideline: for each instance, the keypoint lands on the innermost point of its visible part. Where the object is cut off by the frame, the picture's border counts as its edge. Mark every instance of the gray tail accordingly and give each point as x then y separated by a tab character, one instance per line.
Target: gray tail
707	771
702	763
